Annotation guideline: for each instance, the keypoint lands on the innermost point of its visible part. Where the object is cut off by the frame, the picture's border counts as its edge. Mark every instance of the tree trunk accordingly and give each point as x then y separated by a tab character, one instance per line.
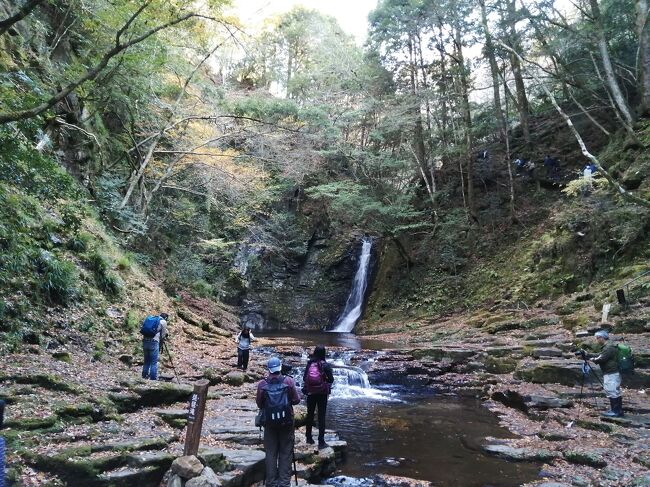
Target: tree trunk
467	118
610	76
643	58
501	119
520	86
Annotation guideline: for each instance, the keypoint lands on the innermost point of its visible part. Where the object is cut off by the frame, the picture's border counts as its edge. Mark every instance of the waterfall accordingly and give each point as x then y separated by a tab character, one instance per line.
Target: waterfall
352	310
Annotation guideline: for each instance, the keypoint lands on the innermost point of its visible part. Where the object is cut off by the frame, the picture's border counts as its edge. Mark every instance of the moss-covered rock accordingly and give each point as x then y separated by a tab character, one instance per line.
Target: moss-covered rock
584	457
551	371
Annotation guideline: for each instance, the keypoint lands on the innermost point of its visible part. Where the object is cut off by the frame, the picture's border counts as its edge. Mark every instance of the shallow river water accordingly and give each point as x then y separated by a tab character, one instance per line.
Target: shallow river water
418	434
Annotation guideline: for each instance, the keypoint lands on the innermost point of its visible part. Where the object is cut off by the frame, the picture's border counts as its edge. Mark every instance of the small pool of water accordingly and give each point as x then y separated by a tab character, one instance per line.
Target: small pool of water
435	438
394	430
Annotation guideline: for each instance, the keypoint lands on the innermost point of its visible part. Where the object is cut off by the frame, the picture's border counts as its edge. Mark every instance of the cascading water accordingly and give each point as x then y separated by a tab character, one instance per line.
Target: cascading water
354	304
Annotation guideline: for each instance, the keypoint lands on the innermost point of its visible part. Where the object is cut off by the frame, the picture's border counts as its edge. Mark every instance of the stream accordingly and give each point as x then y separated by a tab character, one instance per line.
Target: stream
404	431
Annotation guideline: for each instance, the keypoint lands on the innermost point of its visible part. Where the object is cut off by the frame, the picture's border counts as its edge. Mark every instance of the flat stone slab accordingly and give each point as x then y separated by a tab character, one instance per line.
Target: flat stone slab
520	454
547	402
546	352
630	421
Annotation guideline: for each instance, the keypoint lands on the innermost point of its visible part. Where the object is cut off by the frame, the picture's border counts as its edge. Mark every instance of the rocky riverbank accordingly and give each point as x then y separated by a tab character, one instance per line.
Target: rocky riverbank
520	363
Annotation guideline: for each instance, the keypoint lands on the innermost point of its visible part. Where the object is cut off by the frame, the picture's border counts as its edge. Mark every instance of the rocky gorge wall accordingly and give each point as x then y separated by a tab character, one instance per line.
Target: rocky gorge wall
304	288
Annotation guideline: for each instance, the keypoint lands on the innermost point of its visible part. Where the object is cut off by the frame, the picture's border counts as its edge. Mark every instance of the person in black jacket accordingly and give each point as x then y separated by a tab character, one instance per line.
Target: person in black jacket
317	380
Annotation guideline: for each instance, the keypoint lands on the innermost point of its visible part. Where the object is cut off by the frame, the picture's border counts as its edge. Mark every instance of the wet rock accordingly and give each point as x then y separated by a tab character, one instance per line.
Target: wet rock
553	484
187	467
512	399
547	402
235	378
584	457
520	454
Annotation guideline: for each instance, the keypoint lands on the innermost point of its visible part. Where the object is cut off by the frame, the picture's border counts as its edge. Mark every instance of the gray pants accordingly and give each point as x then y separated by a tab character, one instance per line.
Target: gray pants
278	445
612	385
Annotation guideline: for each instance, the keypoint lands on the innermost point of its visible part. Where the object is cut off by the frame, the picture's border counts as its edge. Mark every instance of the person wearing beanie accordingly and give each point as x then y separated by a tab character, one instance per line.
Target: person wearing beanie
608	362
317	380
279	437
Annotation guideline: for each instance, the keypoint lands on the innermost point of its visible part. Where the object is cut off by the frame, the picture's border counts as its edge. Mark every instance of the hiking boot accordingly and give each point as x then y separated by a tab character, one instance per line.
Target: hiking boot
612	409
322	445
310	440
618	407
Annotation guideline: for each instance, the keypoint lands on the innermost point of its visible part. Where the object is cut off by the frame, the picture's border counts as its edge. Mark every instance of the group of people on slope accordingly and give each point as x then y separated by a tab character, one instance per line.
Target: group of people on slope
279	436
527	167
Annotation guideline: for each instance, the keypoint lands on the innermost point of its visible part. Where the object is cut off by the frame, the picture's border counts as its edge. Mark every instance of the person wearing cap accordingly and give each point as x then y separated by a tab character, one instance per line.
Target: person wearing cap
151	347
608	362
278	441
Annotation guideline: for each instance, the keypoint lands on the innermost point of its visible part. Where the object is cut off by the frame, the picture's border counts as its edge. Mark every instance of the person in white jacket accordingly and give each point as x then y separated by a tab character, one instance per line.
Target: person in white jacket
244	341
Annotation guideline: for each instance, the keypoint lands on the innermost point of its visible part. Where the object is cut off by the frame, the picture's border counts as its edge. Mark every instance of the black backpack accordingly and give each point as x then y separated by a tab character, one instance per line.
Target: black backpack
277	411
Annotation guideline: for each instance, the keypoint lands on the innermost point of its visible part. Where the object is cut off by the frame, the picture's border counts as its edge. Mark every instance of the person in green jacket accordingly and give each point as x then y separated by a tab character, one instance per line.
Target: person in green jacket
608	361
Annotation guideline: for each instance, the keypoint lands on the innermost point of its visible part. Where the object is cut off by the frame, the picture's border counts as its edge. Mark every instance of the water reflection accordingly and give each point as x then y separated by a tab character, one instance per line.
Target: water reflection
428	438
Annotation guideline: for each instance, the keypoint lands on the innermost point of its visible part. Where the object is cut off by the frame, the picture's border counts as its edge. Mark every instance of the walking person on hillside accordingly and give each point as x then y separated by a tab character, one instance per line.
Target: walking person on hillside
608	361
317	380
276	396
154	332
243	341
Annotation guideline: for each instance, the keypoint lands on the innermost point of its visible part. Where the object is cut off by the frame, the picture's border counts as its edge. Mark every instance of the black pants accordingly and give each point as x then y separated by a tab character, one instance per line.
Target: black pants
242	358
314	400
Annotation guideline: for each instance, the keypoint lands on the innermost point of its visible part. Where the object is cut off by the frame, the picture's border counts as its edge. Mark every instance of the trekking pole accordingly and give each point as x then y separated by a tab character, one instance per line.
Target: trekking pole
295	469
169	355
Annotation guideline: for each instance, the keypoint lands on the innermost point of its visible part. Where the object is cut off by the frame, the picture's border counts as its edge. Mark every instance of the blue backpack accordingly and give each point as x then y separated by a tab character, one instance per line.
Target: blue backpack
150	326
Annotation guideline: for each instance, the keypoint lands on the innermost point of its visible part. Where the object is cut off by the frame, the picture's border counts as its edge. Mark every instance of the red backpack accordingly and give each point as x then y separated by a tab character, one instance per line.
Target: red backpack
315	380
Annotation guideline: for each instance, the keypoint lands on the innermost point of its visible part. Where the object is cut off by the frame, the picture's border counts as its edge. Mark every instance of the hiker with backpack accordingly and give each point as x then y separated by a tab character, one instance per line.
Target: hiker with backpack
243	341
317	380
276	395
608	359
154	332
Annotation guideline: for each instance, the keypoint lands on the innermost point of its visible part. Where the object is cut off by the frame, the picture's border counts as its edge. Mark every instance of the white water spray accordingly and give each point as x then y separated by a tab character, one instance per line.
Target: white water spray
354	304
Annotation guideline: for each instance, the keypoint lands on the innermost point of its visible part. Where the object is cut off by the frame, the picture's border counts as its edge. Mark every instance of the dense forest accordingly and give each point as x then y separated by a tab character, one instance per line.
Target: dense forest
191	140
160	154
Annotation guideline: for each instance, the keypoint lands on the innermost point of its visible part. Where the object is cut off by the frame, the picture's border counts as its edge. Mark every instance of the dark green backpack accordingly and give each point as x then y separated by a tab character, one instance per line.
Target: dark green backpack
625	358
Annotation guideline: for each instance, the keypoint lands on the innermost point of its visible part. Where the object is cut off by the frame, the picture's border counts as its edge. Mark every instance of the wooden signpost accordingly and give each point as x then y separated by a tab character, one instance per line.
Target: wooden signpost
195	417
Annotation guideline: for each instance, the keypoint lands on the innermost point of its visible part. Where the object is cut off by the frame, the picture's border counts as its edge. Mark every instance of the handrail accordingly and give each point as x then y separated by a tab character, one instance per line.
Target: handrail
627	284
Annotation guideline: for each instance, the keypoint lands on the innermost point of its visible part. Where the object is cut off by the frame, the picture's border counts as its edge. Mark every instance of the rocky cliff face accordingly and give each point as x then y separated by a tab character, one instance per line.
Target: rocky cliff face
305	287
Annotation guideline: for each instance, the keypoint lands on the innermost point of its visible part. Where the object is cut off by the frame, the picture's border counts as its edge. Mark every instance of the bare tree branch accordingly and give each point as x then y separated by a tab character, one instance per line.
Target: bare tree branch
23	12
93	72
